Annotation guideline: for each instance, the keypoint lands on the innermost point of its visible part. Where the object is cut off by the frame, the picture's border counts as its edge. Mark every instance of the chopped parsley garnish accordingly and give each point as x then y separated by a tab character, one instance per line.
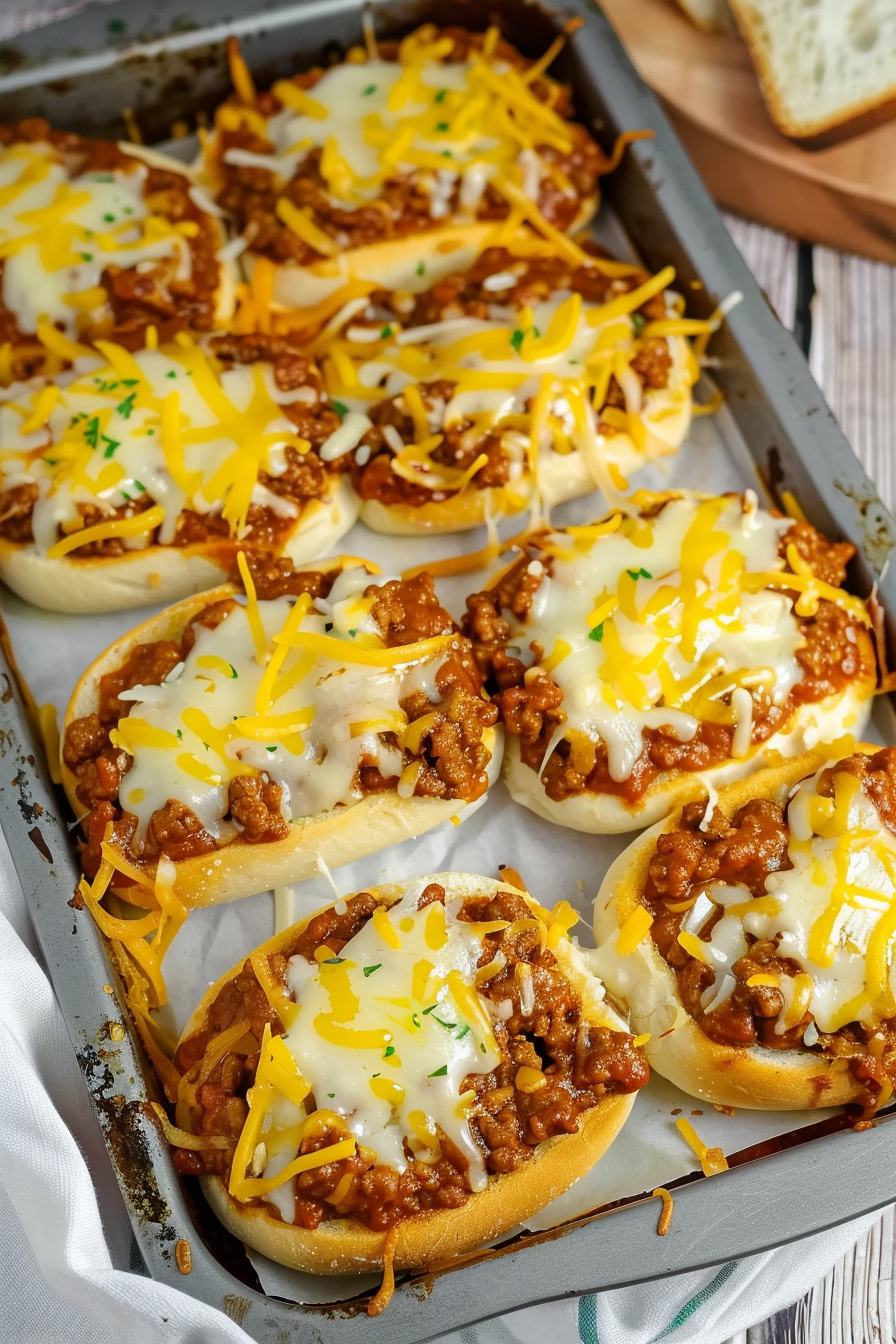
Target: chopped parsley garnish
446	154
374	1075
150	432
86	256
639	573
441	95
129	382
125	407
353	632
449	1026
111	445
180	735
386	331
389	1050
536	333
92	432
139	484
482	1046
421	267
334	961
271	749
233	672
369	970
638	321
516	339
99	177
124	494
463	1031
371	88
431	1009
172	373
573	361
597	633
443	126
341	409
331	1095
415	1019
438	1073
50	461
109	219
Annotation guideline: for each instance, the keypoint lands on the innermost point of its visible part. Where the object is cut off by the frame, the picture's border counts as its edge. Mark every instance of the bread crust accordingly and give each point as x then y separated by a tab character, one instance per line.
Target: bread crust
561	477
342	1245
752	1077
607	814
160	573
239	868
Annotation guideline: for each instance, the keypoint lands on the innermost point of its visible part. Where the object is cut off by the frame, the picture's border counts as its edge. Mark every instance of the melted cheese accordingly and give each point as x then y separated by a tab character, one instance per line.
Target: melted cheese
59	233
320	701
833	912
163	425
453	126
537	377
663	622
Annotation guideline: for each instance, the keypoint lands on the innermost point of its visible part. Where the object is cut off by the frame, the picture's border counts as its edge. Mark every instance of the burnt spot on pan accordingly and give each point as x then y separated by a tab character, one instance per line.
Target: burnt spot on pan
36	836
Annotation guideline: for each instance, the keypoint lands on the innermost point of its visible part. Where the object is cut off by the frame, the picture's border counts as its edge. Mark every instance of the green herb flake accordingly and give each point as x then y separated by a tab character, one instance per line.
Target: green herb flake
386	331
443	126
482	1046
271	749
441	95
516	339
51	461
374	1075
536	333
463	1031
150	432
115	26
341	409
141	487
431	1009
597	633
125	407
415	1019
92	432
438	1073
446	154
449	1026
366	93
130	382
353	632
172	373
369	970
334	961
99	177
109	219
111	445
180	735
331	1095
638	322
389	1051
86	256
639	573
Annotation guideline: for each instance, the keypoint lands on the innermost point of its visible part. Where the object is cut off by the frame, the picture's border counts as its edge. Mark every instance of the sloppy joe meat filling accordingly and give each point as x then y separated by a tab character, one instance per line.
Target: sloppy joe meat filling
532	706
582	1064
306	477
452	755
149	295
403	206
465	294
746	849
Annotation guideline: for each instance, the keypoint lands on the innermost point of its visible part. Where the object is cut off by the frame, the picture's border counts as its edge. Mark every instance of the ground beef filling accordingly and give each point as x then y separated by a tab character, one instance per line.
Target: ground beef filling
531	704
464	295
582	1064
306	477
403	206
747	849
150	294
452	758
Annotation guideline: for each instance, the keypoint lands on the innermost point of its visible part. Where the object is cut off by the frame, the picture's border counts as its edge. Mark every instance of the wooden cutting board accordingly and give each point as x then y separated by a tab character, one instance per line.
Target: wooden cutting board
844	197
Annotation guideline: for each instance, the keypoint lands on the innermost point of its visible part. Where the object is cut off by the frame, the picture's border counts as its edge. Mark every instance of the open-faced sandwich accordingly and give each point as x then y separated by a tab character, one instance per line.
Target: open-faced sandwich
136	478
100	241
527	374
753	935
323	713
332	174
402	1077
692	636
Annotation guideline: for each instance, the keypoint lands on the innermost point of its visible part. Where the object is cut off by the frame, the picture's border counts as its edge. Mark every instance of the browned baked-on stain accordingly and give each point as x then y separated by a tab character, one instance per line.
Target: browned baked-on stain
235	1307
126	1141
183	1256
36	836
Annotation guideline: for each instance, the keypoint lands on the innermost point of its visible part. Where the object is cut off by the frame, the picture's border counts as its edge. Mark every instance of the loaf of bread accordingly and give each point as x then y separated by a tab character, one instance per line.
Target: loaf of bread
827	68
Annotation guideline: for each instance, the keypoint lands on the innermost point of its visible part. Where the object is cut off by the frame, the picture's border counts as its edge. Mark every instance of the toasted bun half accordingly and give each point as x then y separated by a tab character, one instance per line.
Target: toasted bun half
605	813
239	868
412	263
424	1241
754	1077
160	573
560	476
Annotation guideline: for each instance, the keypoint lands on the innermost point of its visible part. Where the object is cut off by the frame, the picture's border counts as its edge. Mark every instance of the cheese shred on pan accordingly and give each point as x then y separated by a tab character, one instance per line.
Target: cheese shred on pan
141	437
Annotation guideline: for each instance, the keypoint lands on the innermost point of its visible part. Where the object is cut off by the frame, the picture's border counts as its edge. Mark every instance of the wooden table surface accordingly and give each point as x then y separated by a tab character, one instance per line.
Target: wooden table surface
848	328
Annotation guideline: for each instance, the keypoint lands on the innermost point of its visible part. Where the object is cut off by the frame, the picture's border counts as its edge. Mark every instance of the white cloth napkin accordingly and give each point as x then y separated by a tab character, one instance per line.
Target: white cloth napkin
65	1242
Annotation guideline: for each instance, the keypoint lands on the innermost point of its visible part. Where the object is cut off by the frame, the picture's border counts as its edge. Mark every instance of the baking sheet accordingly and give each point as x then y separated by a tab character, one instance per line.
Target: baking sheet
53	650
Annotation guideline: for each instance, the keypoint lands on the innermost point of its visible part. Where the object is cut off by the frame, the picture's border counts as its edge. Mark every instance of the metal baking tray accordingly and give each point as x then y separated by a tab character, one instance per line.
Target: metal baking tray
81	73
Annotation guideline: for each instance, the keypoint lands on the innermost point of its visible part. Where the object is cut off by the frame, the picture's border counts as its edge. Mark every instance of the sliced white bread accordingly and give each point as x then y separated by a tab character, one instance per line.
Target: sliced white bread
713	16
827	67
